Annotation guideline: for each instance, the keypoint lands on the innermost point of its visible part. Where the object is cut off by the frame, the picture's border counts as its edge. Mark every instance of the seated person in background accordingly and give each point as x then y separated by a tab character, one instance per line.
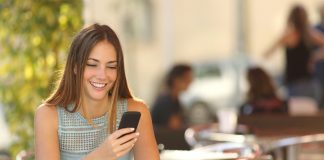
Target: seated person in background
262	97
167	110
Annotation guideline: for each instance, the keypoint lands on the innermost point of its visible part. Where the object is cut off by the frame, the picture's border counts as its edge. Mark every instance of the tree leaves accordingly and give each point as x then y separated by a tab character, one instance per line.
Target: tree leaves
34	36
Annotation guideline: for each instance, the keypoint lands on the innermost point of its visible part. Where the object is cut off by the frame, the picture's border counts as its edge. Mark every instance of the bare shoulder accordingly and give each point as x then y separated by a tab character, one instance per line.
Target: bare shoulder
46	110
46	114
137	105
140	106
46	135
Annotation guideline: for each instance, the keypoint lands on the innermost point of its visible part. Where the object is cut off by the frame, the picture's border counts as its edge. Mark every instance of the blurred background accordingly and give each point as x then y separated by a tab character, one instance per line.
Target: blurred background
220	39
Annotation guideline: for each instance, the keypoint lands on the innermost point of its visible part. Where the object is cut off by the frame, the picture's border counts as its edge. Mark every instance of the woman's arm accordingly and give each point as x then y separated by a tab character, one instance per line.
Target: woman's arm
285	37
145	148
318	55
46	137
317	37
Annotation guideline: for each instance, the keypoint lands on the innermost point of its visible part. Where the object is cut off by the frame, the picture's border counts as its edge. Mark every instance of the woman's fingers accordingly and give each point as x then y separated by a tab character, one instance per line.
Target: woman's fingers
121	141
120	132
126	146
126	138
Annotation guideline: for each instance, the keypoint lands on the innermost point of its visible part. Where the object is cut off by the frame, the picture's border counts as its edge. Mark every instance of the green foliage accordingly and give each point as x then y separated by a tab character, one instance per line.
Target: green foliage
34	39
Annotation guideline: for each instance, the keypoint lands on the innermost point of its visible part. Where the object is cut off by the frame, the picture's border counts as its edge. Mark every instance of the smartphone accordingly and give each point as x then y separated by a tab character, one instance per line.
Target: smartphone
130	119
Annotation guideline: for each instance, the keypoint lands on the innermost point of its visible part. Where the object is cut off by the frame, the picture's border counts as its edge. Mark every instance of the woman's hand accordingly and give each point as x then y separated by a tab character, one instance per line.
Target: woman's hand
116	145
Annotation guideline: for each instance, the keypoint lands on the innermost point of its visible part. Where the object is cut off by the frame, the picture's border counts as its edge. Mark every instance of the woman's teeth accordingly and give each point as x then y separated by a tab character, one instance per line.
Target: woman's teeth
98	85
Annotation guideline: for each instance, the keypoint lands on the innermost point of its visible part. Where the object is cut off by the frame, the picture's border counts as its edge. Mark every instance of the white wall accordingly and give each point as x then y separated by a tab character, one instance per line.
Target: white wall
189	31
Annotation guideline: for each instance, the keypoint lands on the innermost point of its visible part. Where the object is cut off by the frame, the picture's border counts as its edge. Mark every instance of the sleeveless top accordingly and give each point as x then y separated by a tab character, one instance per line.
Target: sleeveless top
77	138
297	60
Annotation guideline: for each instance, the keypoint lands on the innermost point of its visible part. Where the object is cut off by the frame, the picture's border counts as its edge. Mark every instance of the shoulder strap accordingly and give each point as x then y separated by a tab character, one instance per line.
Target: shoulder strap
59	115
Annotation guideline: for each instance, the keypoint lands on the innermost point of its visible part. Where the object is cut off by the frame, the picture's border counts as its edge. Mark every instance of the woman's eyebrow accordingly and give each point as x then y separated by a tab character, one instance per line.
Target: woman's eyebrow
93	59
109	62
114	61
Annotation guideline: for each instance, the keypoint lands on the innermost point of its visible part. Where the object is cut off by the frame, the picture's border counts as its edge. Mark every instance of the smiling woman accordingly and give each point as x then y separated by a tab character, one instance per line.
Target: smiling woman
83	113
100	72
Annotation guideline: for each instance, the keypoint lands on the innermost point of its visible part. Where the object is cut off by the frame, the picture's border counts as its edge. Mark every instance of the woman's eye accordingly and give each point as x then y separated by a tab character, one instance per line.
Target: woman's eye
112	67
91	65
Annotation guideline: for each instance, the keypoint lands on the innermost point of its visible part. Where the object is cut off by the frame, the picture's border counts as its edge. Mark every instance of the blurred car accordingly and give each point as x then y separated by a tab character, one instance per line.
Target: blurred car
216	85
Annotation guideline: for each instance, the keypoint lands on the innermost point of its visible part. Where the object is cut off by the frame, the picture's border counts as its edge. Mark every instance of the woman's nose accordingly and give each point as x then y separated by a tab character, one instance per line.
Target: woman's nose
101	72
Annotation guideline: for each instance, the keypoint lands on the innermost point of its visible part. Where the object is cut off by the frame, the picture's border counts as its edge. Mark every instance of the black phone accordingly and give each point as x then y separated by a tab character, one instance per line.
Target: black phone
130	119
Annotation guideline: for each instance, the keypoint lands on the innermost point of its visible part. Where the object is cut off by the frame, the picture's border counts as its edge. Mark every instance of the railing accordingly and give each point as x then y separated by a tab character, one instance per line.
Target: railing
286	148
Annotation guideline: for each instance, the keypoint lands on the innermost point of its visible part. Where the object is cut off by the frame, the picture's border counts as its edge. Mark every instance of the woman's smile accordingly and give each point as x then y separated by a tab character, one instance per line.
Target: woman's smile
98	84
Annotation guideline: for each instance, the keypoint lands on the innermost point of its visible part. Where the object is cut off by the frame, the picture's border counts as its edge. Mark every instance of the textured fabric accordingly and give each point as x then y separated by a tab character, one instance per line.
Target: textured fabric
77	138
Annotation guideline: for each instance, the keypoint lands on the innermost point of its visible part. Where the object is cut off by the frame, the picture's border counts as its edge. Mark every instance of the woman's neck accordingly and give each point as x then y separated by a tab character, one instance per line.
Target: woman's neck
95	108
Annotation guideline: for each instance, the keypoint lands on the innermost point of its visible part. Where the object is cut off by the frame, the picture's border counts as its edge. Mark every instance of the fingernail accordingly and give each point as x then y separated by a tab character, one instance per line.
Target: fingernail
135	139
132	129
137	133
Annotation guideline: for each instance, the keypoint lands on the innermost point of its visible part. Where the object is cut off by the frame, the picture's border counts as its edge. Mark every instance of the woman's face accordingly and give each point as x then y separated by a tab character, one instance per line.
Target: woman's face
184	81
100	72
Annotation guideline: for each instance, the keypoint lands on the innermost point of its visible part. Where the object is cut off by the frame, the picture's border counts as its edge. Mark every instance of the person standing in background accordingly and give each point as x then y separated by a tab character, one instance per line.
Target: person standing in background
318	53
298	40
167	110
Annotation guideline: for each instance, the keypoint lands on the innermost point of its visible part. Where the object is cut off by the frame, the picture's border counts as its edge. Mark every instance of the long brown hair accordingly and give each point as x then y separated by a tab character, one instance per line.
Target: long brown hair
261	85
69	88
299	19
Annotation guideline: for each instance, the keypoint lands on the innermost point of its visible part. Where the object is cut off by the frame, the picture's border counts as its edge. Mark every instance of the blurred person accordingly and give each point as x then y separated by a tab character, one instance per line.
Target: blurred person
298	40
319	54
320	26
80	119
262	94
167	110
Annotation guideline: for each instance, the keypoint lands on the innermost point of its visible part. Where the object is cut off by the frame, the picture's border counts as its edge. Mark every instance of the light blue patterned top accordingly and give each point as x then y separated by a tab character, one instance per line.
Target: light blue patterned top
77	138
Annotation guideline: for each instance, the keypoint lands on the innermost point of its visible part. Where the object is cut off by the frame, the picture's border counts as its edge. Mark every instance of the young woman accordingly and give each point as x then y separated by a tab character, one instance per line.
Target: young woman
298	40
262	95
80	119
